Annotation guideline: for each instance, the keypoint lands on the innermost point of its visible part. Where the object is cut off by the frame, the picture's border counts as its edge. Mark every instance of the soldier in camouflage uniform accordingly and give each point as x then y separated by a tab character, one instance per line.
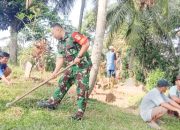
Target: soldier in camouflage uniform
71	48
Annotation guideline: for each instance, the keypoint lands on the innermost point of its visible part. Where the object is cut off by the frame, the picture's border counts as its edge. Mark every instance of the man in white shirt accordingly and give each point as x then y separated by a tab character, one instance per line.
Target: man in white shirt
174	91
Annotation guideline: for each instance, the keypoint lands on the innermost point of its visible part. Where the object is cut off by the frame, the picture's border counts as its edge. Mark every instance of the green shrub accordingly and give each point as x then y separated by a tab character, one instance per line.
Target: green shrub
50	62
24	56
153	77
139	75
17	72
125	67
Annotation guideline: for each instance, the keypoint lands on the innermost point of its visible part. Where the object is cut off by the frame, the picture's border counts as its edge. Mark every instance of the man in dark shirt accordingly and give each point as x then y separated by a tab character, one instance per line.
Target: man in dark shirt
4	69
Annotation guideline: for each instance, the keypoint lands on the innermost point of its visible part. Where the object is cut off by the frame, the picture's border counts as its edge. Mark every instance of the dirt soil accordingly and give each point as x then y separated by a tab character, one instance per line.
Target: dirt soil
128	95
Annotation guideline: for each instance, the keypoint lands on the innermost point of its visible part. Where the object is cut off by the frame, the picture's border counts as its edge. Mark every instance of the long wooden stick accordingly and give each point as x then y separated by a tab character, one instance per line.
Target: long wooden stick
33	89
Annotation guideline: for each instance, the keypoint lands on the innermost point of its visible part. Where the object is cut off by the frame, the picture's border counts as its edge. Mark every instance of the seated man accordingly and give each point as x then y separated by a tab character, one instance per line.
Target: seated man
174	91
155	104
4	69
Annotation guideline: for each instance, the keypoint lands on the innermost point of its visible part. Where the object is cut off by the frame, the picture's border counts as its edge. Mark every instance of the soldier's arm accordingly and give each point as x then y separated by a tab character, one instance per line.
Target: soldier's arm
84	42
59	64
81	40
83	49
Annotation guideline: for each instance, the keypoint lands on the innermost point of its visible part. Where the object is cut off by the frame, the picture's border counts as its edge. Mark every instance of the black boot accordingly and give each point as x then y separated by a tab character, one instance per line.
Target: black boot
78	116
51	104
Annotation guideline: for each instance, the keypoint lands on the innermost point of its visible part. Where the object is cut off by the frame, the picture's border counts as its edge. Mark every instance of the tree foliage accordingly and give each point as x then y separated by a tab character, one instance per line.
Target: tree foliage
8	12
153	77
90	21
147	33
15	14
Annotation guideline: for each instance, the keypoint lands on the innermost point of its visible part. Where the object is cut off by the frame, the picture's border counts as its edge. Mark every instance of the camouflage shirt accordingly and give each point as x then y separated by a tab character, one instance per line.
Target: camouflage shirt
69	49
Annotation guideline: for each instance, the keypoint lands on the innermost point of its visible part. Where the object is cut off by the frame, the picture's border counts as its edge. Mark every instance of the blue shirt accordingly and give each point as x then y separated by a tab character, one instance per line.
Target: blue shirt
110	58
2	69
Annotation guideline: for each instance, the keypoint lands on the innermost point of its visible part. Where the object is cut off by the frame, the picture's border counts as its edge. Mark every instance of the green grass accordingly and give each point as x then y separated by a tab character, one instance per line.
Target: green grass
25	115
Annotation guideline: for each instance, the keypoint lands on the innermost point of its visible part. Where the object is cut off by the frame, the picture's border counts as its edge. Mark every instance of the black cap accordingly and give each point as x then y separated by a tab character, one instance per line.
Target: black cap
162	83
4	54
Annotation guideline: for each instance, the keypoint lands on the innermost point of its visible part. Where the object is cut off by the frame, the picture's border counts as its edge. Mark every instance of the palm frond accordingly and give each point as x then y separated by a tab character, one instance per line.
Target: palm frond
63	6
117	15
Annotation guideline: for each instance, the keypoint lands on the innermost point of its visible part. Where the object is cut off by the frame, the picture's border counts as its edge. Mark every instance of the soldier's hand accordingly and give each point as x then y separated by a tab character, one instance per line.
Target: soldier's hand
77	60
53	76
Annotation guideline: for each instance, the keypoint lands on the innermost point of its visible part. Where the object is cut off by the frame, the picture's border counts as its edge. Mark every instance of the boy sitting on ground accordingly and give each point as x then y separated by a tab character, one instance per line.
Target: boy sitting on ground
4	69
155	104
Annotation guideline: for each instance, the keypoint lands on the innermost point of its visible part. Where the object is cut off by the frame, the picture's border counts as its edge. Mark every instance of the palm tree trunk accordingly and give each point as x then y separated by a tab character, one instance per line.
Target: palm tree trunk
98	43
178	49
83	2
13	46
28	3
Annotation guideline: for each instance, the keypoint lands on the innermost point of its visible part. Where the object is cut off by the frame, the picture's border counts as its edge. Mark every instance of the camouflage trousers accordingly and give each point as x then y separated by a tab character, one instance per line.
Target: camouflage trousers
79	77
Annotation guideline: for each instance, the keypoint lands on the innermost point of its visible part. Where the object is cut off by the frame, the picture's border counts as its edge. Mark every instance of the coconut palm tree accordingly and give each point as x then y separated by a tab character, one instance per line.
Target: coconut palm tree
147	28
98	42
83	2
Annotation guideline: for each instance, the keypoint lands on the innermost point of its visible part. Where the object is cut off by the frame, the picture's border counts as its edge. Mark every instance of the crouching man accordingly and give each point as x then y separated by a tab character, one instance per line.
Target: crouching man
4	69
155	104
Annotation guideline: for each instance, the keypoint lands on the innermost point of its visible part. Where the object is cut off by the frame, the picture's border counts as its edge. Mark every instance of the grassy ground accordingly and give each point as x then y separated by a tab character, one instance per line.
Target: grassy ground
25	115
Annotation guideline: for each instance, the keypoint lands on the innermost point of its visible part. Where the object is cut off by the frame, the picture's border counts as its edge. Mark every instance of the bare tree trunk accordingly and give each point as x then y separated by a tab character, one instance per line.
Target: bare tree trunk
13	46
98	43
83	2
